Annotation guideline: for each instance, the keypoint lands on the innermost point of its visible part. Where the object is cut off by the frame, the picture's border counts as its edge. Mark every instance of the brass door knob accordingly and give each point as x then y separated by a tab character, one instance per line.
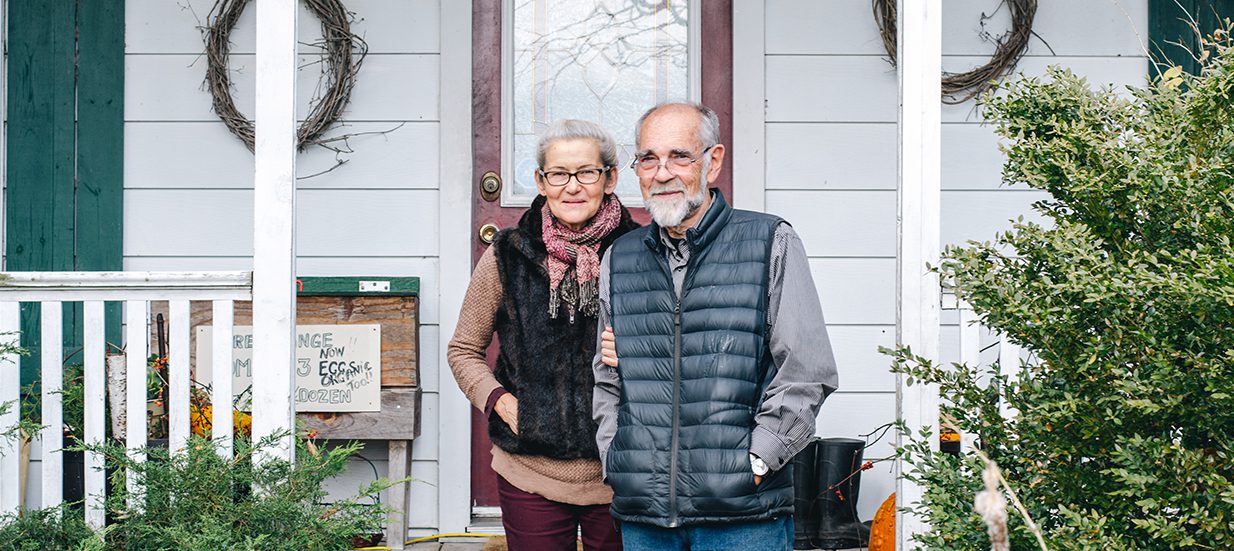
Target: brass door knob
490	186
488	232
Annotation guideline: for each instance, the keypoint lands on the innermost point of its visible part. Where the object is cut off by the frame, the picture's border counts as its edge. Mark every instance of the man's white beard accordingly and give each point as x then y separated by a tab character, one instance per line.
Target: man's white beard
670	212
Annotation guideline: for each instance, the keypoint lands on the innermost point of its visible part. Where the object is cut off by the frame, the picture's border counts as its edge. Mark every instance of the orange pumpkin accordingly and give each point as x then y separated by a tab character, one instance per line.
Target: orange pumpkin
883	530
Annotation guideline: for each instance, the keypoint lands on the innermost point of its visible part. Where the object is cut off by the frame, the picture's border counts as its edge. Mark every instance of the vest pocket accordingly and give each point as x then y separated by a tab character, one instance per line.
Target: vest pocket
636	471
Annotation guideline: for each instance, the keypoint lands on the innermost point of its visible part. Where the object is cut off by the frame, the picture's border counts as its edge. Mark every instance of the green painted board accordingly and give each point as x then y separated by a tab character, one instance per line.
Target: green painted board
1173	40
358	286
99	193
40	148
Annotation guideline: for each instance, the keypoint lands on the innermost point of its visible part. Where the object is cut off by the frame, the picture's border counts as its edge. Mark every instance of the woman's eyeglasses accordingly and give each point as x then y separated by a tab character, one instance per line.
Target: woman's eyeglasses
585	176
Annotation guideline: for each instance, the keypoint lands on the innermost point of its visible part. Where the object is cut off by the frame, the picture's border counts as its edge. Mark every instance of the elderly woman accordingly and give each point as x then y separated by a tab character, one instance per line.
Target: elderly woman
535	287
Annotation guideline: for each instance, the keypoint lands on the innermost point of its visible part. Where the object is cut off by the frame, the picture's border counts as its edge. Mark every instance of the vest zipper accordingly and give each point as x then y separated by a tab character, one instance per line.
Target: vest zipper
672	481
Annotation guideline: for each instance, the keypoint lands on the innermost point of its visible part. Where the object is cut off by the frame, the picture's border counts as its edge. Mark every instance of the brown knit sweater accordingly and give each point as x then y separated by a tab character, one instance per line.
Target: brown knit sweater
573	481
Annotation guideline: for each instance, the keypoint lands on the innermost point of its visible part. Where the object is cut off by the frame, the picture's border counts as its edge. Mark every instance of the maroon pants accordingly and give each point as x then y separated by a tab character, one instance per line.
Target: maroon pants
534	523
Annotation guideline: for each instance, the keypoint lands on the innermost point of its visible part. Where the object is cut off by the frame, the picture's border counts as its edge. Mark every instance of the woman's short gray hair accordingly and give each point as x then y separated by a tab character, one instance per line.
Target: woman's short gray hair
574	129
708	122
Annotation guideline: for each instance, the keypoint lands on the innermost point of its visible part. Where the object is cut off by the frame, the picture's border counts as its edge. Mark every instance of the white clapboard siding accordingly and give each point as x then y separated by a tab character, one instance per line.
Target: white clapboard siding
430	357
842	156
839	223
859	156
369	222
423	495
978	214
863	88
204	155
856	291
862	368
426	447
847	27
970	158
388	26
389	87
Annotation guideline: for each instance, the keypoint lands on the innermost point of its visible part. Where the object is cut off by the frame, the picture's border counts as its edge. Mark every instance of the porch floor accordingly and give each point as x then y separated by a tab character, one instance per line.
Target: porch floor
463	546
434	546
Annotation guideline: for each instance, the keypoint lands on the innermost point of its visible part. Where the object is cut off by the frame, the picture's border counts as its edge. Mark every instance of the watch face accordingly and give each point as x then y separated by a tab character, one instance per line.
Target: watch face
758	466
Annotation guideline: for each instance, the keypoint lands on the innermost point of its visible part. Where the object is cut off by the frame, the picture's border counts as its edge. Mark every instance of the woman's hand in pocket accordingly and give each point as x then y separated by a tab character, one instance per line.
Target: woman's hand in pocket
507	409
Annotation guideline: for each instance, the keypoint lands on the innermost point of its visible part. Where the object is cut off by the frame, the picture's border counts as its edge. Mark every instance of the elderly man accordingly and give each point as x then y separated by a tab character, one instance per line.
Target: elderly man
724	357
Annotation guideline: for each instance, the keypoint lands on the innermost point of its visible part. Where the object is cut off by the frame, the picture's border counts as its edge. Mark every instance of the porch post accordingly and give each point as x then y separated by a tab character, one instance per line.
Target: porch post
274	224
919	25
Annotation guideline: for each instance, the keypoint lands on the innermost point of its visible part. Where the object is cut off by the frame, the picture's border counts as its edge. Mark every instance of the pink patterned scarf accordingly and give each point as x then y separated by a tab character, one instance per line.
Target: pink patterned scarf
574	259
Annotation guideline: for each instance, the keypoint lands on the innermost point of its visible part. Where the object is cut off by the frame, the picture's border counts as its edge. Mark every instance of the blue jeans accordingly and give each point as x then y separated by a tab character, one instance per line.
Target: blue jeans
768	535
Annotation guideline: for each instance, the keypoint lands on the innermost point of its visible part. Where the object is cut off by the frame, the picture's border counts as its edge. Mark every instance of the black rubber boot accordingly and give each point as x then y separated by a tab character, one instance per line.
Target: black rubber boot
838	527
805	490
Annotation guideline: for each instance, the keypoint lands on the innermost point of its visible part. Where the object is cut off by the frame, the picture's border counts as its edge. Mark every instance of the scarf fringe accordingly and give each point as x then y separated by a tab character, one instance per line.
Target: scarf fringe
577	297
573	260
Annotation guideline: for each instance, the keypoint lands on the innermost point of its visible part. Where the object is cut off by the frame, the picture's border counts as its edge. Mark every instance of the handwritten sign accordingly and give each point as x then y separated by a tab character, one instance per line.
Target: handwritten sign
338	367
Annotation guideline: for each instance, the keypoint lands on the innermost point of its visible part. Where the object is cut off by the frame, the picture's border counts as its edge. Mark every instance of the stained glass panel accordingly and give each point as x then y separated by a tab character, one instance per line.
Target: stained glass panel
605	61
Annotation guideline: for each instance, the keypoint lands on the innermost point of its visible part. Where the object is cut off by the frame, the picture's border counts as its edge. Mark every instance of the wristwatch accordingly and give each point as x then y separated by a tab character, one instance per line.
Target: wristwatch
758	465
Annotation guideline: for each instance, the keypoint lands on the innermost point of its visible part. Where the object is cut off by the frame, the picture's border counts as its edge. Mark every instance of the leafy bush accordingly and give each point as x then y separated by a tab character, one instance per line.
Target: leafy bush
53	528
14	434
1124	437
198	500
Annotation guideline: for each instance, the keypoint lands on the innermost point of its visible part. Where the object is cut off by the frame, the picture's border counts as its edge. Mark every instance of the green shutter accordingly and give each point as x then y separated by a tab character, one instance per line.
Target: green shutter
1171	36
100	146
65	147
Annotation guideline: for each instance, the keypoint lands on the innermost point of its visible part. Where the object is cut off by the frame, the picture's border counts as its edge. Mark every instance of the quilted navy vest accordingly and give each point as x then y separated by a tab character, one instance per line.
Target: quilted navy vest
693	372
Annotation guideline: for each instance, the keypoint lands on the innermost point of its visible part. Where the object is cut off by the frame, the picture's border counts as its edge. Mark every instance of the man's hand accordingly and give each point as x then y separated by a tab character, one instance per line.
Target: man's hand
758	480
608	347
507	409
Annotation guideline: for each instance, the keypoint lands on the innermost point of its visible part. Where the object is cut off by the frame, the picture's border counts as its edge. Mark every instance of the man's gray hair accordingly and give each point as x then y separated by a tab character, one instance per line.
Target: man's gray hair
574	129
708	123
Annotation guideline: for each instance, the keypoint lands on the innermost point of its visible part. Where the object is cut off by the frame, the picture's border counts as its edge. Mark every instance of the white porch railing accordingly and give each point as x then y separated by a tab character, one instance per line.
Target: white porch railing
136	290
970	330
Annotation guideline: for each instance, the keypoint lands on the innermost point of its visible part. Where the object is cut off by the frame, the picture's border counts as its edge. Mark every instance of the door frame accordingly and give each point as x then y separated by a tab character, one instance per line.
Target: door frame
716	83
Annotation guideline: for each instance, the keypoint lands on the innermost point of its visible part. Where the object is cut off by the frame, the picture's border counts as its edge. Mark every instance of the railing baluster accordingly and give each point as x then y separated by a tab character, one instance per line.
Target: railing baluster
178	376
970	353
1008	366
221	390
95	416
52	382
136	350
10	393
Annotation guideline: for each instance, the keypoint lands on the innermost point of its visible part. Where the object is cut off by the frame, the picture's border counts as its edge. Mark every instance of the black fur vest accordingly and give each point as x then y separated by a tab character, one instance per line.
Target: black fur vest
545	362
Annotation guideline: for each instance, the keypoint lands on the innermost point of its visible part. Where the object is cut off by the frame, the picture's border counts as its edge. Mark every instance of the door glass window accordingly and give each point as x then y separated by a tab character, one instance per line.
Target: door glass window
605	61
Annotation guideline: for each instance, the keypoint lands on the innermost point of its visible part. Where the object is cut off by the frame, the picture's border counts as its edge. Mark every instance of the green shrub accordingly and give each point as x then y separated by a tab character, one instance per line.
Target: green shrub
198	500
1125	426
53	528
25	426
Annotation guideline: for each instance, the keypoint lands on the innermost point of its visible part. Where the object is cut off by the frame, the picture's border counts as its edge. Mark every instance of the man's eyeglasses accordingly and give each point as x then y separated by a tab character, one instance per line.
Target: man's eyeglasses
675	162
585	176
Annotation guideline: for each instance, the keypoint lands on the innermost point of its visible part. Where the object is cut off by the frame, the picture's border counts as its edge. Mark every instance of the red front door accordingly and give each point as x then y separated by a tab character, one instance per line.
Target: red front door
577	59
